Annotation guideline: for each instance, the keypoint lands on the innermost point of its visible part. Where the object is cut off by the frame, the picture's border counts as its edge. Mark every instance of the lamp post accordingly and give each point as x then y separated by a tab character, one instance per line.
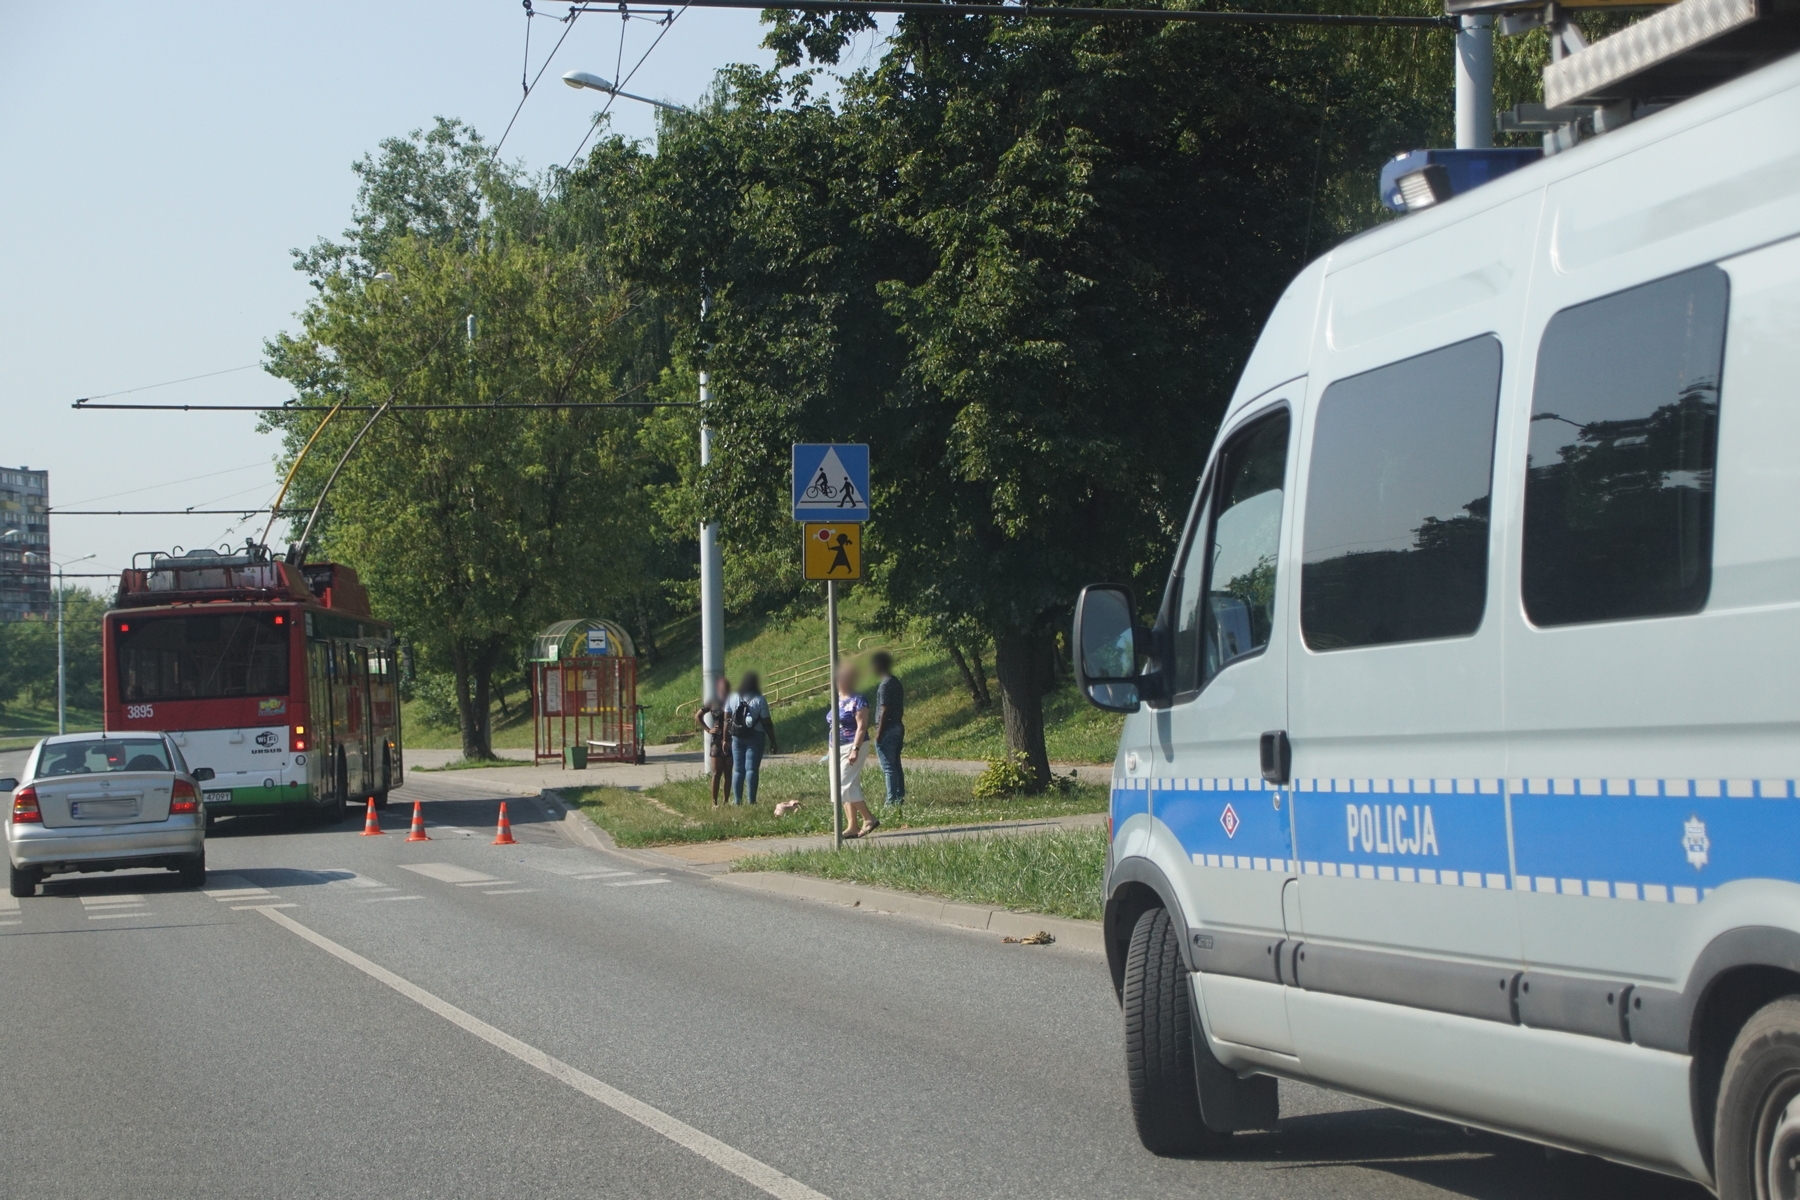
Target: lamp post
62	690
712	563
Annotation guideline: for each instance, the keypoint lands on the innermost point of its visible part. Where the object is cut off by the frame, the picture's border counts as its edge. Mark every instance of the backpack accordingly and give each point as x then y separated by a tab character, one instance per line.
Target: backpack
743	717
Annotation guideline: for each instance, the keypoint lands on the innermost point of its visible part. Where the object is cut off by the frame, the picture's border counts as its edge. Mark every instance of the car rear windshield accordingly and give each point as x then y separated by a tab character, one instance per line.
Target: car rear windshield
200	657
98	758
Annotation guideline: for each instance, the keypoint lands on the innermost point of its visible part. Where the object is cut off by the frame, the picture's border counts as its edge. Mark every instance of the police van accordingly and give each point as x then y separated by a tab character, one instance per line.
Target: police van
1460	770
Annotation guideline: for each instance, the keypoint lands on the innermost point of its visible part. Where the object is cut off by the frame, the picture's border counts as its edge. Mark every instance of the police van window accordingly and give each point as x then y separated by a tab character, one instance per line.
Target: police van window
1226	600
1396	538
1624	441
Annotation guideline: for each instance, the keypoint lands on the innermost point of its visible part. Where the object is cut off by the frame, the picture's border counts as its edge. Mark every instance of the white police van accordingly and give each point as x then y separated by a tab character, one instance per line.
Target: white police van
1461	766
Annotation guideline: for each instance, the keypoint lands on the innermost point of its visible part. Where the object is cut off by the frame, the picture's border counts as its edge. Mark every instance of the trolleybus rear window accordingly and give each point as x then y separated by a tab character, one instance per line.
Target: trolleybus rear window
195	657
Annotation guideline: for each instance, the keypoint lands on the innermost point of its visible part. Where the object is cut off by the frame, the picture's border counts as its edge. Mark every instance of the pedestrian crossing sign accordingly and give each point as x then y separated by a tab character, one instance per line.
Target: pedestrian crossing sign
833	551
831	482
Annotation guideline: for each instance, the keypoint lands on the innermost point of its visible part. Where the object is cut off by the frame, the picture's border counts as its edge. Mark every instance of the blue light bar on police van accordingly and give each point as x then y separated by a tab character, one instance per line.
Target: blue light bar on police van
1421	178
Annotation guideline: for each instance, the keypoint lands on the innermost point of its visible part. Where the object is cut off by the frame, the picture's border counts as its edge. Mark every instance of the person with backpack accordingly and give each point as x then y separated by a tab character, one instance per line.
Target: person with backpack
752	734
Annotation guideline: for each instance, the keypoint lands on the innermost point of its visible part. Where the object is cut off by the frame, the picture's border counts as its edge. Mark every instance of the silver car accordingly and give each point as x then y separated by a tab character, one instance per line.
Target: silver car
105	802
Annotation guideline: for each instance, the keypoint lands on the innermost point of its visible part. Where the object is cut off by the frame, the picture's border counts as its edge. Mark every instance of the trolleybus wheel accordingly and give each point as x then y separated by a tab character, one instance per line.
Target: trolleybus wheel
1756	1132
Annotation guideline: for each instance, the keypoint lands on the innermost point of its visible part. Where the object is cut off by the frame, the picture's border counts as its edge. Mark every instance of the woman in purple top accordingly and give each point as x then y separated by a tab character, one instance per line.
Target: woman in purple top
850	739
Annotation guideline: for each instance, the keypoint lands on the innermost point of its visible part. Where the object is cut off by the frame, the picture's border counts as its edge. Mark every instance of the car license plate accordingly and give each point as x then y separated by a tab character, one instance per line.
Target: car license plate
218	797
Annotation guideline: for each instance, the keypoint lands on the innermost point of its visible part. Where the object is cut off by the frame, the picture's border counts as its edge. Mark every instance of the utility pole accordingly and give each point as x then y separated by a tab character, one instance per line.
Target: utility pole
832	749
1475	83
712	569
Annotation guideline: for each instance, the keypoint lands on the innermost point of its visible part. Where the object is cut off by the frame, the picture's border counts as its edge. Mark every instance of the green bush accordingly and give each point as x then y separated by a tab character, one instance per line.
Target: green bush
434	697
1004	777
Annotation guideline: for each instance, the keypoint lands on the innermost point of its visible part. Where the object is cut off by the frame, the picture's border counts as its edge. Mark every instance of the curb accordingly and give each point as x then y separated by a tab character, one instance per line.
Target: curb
1075	935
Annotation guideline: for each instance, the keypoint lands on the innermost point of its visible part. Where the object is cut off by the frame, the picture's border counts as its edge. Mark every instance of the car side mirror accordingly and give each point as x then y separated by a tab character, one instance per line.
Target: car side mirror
8	784
202	774
1106	645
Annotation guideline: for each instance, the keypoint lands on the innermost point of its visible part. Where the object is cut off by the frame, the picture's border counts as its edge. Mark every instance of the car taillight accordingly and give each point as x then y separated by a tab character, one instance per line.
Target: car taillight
25	807
186	799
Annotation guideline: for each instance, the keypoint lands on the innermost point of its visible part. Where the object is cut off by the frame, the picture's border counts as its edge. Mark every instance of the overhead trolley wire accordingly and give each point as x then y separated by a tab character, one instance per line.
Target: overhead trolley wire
1068	12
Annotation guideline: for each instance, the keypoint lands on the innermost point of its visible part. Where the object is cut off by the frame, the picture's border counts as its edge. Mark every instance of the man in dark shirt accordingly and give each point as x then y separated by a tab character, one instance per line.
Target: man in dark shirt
890	728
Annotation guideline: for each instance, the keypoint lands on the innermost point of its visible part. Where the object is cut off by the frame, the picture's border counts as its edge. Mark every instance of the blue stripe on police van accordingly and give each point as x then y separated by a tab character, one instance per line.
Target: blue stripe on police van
1642	839
1656	840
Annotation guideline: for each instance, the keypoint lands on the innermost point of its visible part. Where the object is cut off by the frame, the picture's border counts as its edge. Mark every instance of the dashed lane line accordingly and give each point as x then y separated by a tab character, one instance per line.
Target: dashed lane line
751	1170
636	882
389	899
511	891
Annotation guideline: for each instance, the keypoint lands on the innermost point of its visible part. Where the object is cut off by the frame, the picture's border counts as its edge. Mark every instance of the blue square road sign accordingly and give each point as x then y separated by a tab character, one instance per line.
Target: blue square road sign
831	481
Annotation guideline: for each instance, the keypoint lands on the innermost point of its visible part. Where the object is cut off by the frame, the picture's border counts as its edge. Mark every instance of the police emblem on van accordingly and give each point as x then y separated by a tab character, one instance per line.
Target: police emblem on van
1695	841
1229	819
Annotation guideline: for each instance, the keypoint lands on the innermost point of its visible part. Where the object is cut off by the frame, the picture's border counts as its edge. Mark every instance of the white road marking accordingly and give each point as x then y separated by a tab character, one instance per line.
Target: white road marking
511	891
635	882
343	878
603	874
242	907
447	873
109	901
490	881
9	904
114	916
235	887
751	1170
383	899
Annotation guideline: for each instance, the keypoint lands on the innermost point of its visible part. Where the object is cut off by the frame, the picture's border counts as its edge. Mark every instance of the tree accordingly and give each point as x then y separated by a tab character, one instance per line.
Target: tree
1025	260
471	526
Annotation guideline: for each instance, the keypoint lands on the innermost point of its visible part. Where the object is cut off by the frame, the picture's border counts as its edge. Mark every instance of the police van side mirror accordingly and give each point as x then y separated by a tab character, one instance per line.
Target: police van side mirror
202	774
1107	647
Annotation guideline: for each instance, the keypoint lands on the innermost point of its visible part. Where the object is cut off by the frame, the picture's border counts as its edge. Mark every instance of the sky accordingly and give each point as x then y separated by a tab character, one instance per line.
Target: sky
163	159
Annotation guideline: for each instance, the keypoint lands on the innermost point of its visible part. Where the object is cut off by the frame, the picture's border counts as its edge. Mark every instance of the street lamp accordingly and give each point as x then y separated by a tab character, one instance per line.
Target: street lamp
712	563
587	79
61	674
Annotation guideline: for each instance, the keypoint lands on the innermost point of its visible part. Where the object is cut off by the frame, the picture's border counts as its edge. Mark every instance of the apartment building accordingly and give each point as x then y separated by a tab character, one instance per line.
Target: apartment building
24	544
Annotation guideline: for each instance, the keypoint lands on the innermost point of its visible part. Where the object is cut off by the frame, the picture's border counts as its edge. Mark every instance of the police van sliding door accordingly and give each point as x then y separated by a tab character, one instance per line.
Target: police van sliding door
1230	678
1400	809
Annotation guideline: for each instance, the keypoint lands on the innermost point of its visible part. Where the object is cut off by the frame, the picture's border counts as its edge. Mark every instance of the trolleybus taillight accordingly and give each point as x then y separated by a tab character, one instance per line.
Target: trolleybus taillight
299	737
25	807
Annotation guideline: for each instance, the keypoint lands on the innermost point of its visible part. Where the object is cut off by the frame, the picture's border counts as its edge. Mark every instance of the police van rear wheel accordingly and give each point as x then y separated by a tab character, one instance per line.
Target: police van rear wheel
1159	1043
1756	1133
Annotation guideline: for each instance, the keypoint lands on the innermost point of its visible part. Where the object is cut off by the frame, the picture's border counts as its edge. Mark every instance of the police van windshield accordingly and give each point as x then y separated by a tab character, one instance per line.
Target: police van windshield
200	657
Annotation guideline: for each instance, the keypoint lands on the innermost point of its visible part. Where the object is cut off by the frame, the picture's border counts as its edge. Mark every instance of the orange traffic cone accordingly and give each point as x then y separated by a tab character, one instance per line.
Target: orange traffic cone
504	837
418	828
371	826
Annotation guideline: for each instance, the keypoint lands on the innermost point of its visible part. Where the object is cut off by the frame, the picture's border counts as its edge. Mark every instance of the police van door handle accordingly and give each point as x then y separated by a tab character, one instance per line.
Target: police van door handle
1277	756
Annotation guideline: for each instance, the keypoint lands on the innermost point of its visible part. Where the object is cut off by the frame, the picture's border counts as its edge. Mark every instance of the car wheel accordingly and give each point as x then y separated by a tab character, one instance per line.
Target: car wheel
23	881
1159	1043
193	871
1756	1130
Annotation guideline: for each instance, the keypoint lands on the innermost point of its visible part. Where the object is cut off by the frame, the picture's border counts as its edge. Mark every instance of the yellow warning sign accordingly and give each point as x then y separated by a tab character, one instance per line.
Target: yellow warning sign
833	551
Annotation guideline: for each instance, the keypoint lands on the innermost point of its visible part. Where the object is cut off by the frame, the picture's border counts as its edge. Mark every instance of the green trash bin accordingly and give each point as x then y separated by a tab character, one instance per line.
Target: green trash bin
575	757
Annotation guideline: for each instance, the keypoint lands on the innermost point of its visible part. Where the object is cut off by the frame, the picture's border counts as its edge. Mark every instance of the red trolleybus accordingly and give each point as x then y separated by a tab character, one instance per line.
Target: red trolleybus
274	675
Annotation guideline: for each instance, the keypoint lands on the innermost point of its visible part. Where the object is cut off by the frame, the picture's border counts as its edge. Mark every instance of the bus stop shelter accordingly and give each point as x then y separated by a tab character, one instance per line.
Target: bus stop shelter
584	694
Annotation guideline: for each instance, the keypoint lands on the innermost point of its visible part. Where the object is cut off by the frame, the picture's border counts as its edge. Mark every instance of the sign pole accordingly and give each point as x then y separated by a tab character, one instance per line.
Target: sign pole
837	767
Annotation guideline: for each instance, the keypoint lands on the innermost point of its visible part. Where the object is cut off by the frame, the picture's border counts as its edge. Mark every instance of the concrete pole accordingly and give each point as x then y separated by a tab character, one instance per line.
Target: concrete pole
1475	83
61	677
712	586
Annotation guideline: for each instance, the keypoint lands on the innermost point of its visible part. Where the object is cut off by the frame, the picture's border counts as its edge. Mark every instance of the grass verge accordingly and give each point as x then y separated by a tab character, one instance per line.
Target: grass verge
1055	873
681	810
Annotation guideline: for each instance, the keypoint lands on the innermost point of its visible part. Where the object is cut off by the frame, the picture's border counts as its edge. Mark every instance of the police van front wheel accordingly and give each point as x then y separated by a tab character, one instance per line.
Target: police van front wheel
1756	1132
1160	1043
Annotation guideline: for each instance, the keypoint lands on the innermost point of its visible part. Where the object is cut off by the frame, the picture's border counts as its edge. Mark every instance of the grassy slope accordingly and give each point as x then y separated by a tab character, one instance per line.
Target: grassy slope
1057	873
22	724
941	722
682	811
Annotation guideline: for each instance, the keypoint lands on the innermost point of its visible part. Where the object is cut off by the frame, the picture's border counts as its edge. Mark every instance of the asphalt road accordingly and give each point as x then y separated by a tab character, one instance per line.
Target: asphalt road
349	1016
